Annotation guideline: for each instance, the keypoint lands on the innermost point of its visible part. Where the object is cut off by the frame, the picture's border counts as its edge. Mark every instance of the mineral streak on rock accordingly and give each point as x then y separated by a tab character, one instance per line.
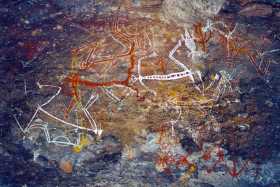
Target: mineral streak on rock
257	10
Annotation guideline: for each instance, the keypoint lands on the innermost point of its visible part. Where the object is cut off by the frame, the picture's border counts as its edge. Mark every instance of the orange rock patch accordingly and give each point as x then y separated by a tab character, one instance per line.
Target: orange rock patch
66	166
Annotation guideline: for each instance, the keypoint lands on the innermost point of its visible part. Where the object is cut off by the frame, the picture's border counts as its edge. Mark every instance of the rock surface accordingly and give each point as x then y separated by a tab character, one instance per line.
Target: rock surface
206	147
191	11
257	10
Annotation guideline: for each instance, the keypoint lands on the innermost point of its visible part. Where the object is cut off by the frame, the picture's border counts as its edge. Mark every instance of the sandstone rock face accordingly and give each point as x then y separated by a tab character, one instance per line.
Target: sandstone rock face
257	10
66	166
189	10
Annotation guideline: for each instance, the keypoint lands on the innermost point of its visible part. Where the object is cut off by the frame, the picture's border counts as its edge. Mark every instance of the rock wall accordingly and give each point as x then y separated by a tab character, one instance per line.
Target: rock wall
187	11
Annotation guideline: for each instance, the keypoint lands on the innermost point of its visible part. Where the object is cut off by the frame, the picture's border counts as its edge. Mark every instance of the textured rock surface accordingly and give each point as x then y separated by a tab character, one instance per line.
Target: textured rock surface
136	149
254	10
191	11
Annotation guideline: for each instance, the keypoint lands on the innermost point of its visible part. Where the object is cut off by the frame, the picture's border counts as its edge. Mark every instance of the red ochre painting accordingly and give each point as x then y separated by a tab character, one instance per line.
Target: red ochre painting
140	93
